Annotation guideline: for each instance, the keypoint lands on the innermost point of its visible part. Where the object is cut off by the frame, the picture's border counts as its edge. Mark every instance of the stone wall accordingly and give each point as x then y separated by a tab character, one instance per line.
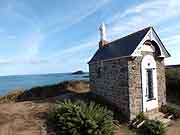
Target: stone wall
135	86
161	81
112	83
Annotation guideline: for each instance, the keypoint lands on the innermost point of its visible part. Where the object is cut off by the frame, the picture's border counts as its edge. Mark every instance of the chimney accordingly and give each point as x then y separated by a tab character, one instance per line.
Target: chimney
103	42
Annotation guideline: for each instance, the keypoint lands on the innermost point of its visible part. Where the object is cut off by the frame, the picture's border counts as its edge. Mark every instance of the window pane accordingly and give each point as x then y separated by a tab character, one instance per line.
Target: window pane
150	83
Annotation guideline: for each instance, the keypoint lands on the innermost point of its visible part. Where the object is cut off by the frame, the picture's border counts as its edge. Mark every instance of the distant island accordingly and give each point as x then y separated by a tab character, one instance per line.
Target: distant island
79	72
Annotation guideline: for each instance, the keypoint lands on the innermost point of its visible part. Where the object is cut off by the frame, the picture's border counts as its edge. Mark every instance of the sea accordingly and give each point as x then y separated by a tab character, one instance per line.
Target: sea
10	83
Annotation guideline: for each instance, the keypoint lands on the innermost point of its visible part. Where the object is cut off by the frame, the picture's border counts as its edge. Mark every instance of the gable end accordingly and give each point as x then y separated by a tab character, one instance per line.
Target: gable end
154	39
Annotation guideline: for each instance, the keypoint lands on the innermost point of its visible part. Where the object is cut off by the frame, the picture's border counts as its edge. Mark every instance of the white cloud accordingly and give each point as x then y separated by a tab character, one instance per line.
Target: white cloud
28	48
152	12
5	61
172	40
18	61
18	9
171	29
32	43
27	41
11	37
1	30
172	44
78	47
75	53
75	15
38	61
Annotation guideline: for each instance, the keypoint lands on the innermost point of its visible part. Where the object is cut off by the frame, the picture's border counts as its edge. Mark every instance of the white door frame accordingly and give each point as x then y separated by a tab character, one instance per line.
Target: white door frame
148	62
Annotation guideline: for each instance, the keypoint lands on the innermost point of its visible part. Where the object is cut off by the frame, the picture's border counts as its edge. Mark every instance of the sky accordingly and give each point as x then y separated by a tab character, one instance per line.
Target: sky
57	36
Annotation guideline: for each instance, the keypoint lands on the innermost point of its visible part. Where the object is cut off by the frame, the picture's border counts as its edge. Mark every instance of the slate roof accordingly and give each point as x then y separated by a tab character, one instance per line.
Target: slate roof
122	47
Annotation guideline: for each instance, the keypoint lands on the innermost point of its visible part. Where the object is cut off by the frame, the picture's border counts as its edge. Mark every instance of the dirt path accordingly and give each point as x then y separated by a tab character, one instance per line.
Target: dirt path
174	129
123	130
25	118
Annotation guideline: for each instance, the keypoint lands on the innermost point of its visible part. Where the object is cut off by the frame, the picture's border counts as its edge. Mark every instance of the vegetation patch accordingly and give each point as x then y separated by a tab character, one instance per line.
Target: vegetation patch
171	109
152	127
138	121
80	118
173	85
44	92
93	97
11	96
144	126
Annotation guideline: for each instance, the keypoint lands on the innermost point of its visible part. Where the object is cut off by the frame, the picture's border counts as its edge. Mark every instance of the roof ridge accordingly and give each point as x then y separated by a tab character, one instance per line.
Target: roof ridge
130	34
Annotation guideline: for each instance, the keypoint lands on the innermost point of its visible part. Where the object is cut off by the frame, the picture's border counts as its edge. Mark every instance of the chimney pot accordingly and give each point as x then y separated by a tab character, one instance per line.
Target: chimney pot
103	42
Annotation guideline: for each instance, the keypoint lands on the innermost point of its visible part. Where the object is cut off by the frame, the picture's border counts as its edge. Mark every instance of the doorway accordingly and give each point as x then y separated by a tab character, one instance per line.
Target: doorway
149	83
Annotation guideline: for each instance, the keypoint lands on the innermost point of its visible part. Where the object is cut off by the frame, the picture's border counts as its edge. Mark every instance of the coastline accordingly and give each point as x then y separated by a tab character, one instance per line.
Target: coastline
25	82
46	91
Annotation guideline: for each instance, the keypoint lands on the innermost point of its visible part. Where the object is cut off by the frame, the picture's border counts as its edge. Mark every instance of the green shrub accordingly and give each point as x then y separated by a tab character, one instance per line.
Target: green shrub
120	116
171	110
81	118
140	117
152	127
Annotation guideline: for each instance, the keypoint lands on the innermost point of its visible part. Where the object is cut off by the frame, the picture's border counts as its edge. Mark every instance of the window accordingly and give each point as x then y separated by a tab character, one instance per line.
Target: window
99	72
150	93
100	69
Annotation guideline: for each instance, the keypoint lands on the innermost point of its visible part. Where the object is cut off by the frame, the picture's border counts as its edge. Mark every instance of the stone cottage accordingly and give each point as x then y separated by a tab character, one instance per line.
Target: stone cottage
130	71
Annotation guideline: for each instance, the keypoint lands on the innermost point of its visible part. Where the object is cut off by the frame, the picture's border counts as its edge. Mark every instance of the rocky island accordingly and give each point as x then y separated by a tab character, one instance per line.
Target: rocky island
79	72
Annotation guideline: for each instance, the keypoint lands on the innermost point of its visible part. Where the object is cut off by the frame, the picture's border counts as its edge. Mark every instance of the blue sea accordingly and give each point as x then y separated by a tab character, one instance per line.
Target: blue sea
9	83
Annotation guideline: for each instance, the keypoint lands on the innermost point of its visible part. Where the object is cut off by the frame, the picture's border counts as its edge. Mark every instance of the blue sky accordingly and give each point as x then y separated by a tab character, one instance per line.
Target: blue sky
50	36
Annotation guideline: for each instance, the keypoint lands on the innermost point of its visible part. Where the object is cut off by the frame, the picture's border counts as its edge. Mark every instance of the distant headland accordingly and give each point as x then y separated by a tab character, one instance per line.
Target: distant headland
78	72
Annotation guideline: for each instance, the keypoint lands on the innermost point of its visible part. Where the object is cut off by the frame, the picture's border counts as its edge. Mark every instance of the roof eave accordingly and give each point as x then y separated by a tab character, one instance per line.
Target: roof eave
91	62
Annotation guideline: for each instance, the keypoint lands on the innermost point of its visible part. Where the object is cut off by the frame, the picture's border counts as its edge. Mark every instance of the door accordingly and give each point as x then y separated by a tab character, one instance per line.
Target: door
149	83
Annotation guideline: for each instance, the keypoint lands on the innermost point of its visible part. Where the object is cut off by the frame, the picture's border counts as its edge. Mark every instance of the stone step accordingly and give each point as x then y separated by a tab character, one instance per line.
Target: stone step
155	116
160	117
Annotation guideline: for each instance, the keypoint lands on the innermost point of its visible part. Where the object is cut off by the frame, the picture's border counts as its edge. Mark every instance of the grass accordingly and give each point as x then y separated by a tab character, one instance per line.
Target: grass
11	96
